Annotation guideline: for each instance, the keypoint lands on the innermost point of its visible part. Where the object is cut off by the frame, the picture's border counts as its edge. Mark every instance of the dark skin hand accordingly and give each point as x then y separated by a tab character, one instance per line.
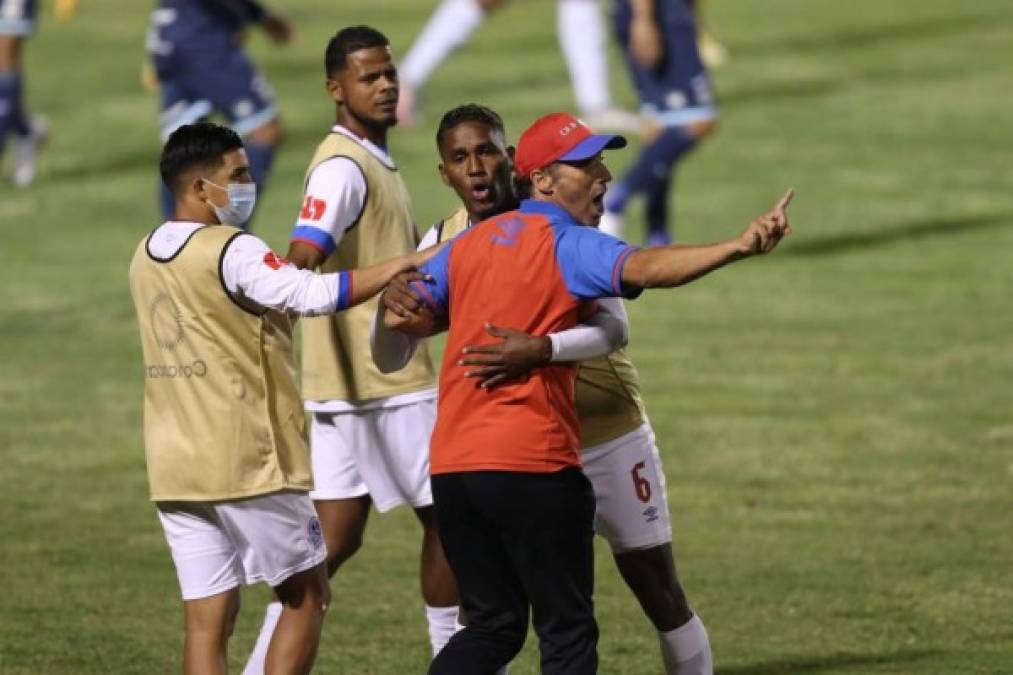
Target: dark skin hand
510	359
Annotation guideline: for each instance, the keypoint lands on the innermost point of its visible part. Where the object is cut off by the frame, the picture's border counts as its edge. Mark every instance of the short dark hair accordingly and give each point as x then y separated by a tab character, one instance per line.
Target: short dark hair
200	145
469	112
348	40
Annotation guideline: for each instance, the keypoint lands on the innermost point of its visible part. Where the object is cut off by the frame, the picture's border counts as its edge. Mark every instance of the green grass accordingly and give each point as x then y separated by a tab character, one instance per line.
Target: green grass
835	419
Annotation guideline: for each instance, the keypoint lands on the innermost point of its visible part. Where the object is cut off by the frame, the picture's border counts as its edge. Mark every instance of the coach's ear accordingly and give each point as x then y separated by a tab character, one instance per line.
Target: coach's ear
443	175
335	91
542	180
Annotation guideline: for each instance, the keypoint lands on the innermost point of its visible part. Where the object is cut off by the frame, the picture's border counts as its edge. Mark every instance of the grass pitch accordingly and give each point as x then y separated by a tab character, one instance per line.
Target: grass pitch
835	419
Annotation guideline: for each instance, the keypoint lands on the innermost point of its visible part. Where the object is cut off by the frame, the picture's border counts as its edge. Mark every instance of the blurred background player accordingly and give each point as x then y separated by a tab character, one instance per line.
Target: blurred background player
196	50
369	437
658	38
581	35
619	452
17	22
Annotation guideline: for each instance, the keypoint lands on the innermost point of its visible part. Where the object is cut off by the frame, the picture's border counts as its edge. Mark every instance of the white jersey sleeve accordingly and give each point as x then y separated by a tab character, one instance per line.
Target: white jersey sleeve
605	331
332	204
255	275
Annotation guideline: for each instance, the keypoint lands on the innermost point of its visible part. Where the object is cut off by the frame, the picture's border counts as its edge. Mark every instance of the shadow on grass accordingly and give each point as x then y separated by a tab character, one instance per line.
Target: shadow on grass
816	664
909	231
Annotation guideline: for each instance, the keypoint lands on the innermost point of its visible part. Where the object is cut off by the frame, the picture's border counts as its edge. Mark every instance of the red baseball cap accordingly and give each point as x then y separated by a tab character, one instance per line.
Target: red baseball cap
559	137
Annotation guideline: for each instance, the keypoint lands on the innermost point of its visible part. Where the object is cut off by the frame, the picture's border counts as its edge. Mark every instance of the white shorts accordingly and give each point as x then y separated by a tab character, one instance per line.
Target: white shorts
629	488
218	546
382	452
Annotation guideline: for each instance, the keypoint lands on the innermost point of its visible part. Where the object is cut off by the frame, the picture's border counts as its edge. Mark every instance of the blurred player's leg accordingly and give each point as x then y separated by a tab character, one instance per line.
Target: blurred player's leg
448	28
582	37
651	175
17	21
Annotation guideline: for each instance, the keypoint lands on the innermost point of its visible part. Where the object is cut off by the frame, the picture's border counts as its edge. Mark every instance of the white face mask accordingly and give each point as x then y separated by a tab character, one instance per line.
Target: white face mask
242	199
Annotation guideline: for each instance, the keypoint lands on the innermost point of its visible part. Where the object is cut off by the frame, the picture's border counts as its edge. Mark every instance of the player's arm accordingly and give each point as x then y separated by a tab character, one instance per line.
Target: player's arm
517	353
419	307
252	272
335	195
392	349
669	266
646	43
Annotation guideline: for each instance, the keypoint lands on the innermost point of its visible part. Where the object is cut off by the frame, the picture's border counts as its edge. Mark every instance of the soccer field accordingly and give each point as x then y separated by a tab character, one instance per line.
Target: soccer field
836	419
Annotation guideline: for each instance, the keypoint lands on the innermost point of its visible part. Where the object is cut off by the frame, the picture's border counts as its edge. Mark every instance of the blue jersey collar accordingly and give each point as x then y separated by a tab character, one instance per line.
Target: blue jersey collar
554	212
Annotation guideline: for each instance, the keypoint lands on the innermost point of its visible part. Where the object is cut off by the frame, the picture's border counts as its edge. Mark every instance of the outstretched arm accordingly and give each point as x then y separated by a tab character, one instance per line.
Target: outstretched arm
669	266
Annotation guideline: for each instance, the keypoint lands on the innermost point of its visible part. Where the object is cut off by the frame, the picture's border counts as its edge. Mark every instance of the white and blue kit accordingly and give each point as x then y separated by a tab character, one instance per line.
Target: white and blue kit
201	66
17	17
674	95
202	69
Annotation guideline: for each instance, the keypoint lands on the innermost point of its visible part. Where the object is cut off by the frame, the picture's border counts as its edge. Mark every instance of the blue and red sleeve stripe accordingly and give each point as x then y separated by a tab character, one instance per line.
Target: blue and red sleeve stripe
617	270
315	237
344	290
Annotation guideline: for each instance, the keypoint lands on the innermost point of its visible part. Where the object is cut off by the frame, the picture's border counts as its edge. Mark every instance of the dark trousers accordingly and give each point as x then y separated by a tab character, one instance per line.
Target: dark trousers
519	540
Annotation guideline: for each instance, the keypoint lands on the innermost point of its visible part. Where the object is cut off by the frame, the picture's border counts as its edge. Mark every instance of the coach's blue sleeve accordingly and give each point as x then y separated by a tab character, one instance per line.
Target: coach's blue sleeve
435	292
592	263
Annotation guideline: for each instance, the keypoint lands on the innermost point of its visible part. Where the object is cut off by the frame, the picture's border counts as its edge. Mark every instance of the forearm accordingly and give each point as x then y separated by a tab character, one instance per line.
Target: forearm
670	266
368	281
599	335
391	349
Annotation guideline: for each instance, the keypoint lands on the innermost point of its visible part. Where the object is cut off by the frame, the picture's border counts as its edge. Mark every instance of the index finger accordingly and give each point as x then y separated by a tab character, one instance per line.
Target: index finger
785	200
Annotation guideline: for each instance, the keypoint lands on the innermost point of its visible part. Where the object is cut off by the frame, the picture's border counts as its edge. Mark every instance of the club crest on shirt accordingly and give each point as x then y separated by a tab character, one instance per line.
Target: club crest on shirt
274	261
316	535
166	322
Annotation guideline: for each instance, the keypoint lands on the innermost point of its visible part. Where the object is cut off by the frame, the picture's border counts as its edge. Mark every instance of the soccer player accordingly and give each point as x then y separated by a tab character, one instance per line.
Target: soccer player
225	440
514	510
659	40
17	22
369	431
581	36
195	47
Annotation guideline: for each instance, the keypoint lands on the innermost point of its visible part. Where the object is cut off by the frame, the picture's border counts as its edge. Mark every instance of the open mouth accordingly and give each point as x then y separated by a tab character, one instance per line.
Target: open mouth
480	192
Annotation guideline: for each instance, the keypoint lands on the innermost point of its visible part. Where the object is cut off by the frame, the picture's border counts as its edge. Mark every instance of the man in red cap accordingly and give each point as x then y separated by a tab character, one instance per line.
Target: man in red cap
515	512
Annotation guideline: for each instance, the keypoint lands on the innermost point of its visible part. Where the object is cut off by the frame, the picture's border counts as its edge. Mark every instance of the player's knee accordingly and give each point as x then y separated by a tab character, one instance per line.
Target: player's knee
271	134
341	549
703	128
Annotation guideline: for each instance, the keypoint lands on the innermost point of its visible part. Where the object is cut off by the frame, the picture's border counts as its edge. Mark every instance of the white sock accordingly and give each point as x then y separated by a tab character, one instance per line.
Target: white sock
255	665
582	37
442	625
687	650
448	28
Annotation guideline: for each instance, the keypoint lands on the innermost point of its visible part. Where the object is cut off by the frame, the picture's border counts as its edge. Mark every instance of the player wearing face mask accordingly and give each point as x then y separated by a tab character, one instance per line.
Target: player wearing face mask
225	437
